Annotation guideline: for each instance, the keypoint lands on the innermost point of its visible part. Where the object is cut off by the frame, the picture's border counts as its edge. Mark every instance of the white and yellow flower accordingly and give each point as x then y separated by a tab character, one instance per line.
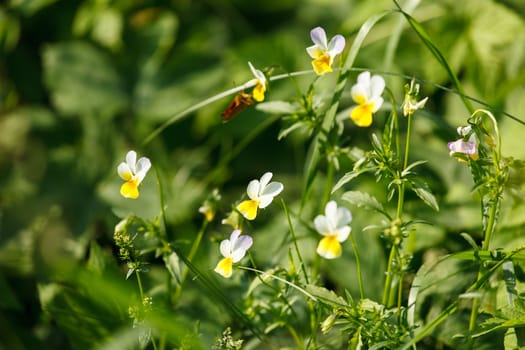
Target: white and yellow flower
334	227
261	193
367	94
133	172
233	250
260	84
323	52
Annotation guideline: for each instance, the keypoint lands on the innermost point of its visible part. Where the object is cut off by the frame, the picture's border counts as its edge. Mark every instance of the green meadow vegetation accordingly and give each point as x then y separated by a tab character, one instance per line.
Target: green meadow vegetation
228	174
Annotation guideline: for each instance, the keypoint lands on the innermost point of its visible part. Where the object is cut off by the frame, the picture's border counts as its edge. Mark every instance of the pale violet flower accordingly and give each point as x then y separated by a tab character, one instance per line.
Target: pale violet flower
334	227
367	94
133	172
323	52
260	84
233	250
261	193
464	147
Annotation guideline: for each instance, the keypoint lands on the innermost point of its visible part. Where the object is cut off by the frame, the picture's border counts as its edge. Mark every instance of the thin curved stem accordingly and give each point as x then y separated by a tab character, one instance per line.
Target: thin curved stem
294	239
358	263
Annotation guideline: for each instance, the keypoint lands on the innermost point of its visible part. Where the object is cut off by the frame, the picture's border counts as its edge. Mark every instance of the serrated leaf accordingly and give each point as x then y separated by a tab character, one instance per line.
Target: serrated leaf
349	176
363	200
283	133
326	296
411	166
422	190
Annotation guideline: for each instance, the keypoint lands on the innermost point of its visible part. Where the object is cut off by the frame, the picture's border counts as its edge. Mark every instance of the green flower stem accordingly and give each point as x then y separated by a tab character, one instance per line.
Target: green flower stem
266	274
191	255
388	280
407	144
494	207
141	292
294	239
139	282
328	184
358	263
162	204
399	214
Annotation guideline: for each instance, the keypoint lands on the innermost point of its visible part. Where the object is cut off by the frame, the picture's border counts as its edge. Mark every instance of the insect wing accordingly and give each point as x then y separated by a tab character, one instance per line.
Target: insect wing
240	101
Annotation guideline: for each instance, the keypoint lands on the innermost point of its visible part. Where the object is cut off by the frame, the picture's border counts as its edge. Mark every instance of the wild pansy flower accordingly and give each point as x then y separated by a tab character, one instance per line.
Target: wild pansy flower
209	207
133	172
334	226
233	250
261	193
260	84
323	52
464	147
410	103
367	94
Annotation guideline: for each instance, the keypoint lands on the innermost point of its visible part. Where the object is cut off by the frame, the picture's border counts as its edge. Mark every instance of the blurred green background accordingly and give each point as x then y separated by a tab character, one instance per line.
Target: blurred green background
82	82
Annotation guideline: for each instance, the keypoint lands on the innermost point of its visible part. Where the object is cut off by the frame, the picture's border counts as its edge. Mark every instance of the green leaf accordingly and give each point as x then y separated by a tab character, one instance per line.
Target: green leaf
83	81
363	200
278	107
349	176
172	263
326	296
423	191
411	166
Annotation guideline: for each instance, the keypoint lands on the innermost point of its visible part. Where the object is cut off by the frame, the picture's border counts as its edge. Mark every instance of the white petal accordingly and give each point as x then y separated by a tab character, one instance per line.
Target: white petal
272	189
243	244
377	85
336	45
225	248
318	36
258	74
265	179
321	225
253	189
265	201
233	237
343	233
143	166
464	130
378	102
131	159
359	92
124	171
314	51
364	80
344	216
331	211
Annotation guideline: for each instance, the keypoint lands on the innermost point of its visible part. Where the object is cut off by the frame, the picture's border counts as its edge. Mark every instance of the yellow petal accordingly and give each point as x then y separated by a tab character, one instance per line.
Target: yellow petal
248	208
329	247
224	267
322	65
130	189
258	92
362	115
360	99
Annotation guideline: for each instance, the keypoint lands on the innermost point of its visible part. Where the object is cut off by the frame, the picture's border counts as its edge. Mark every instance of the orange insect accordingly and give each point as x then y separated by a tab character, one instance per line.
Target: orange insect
241	101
